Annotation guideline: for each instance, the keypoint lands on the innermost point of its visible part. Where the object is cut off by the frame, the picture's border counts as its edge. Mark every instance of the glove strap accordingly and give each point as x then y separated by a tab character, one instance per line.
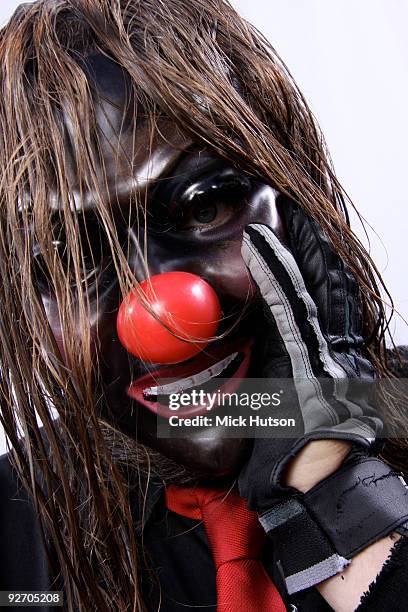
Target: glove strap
316	535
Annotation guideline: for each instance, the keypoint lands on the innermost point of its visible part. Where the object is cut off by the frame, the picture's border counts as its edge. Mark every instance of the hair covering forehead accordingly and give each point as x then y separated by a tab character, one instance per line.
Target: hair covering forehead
128	150
113	100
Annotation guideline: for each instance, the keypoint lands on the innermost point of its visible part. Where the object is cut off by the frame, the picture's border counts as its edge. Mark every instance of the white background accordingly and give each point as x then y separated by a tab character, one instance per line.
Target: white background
350	59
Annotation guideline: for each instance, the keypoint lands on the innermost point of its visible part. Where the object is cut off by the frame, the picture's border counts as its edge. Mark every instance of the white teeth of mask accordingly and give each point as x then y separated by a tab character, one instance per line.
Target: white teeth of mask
191	381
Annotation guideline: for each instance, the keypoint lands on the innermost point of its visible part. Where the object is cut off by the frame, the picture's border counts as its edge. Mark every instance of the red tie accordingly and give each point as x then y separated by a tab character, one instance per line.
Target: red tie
236	539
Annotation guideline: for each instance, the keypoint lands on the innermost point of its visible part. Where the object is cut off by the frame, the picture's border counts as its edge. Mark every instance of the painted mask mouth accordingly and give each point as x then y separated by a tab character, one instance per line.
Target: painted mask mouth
219	368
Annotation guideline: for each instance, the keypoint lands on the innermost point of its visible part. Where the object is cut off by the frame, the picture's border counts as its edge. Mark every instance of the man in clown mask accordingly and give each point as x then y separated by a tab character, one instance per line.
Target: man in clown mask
140	139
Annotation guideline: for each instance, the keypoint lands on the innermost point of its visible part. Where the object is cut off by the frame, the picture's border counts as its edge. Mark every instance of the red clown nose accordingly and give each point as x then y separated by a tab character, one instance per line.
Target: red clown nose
185	303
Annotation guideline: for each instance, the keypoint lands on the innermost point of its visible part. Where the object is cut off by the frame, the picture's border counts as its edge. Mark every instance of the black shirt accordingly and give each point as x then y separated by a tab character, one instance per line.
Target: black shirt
179	569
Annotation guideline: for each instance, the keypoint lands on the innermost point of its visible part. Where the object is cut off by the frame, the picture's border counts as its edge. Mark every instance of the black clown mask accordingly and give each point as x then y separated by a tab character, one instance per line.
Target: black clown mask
196	208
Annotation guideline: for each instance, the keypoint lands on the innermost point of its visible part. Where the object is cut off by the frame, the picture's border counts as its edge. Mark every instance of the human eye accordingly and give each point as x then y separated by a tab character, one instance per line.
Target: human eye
205	204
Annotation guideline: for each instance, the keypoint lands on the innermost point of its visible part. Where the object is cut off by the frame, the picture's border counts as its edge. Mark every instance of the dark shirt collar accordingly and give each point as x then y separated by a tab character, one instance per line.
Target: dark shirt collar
144	499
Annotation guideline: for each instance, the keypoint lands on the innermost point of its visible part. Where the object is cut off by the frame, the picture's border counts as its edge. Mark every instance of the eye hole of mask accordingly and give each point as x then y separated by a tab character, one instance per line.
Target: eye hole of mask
90	249
210	201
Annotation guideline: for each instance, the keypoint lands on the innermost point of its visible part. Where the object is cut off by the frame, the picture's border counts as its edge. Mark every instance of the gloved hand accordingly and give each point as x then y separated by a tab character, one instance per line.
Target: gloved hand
313	311
312	302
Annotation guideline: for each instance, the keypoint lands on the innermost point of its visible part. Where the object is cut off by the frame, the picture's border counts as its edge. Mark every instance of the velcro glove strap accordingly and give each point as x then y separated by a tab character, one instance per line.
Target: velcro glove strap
317	534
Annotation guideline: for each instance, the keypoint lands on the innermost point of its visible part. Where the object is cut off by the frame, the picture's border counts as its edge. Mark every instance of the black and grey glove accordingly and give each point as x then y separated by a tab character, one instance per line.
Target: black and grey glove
313	307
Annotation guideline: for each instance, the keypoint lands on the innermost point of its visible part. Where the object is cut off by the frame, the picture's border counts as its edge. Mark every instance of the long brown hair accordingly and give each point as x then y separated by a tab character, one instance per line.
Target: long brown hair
207	70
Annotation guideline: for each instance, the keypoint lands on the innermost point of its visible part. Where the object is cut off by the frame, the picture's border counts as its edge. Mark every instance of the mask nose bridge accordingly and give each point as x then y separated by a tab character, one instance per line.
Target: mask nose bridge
137	259
160	258
142	259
